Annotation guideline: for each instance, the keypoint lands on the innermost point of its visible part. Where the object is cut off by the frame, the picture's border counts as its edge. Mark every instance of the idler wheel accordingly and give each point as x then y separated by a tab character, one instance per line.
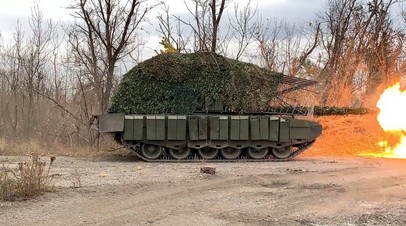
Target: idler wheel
208	153
151	151
230	153
282	153
257	153
180	153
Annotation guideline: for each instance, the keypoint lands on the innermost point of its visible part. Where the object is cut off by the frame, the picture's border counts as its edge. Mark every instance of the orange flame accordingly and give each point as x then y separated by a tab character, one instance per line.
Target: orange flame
392	119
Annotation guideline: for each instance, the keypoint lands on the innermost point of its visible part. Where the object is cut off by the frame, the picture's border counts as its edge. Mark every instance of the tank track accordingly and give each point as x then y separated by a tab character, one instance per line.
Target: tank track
166	157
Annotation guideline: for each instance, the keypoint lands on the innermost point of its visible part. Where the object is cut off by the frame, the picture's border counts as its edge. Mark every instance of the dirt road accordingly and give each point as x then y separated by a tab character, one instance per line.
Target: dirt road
308	191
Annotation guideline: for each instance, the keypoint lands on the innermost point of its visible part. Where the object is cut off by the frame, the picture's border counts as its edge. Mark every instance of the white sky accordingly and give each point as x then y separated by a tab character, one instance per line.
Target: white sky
22	8
12	11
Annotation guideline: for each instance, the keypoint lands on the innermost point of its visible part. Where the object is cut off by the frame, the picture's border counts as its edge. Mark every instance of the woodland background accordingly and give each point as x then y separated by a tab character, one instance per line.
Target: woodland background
54	77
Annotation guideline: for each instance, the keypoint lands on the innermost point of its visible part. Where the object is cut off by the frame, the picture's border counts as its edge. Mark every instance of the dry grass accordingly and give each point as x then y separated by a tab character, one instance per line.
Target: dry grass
23	148
10	147
28	180
348	135
2	144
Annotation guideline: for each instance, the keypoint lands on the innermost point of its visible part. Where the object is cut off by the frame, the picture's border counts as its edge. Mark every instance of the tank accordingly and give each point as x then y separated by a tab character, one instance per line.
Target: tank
203	106
211	137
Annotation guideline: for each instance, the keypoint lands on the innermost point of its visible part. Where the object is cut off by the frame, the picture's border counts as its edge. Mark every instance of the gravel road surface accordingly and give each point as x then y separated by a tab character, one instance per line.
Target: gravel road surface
307	191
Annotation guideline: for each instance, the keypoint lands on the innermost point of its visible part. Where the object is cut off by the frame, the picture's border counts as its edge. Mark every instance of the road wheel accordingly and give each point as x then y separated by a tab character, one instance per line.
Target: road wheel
180	154
230	153
282	153
208	153
257	153
151	151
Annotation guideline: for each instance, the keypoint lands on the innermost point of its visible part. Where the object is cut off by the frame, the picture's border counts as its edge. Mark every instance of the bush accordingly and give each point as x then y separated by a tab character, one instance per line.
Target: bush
182	83
30	179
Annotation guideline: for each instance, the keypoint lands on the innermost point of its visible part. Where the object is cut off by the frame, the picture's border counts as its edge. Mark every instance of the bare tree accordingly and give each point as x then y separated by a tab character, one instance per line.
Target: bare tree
38	53
12	76
216	18
352	33
269	37
24	69
343	29
384	45
207	16
171	30
243	26
104	33
284	47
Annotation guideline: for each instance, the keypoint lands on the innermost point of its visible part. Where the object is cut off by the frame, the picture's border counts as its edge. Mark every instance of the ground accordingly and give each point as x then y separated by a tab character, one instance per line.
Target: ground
330	184
328	190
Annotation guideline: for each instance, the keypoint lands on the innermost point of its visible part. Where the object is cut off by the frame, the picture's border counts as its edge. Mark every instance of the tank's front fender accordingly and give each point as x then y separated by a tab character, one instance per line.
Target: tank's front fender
110	123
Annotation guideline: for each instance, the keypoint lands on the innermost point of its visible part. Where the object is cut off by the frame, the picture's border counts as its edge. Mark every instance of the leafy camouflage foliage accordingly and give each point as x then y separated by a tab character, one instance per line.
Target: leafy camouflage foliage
183	83
168	47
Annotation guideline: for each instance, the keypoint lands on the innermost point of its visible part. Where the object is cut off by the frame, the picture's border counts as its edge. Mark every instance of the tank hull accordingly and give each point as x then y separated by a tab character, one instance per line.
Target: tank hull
211	137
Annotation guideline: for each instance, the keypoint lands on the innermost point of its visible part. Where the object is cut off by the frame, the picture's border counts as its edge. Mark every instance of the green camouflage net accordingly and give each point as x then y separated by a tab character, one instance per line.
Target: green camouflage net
183	83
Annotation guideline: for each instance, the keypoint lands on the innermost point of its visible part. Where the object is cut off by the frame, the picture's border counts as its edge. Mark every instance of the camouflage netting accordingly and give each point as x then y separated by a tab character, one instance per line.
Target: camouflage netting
182	83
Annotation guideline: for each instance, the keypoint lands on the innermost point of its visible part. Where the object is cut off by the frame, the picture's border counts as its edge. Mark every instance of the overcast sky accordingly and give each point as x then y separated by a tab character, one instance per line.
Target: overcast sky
11	11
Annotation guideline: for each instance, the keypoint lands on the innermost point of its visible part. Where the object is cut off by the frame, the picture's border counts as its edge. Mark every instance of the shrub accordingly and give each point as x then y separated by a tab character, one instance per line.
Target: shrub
28	180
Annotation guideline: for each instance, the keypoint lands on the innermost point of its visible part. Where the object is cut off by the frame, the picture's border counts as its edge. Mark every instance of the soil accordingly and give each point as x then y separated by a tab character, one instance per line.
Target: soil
307	191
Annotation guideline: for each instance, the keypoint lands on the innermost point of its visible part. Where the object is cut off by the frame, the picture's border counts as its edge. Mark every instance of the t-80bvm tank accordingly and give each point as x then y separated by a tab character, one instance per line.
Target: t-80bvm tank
186	107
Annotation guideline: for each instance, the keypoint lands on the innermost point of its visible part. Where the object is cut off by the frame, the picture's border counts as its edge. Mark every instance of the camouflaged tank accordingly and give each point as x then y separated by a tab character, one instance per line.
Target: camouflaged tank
187	107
